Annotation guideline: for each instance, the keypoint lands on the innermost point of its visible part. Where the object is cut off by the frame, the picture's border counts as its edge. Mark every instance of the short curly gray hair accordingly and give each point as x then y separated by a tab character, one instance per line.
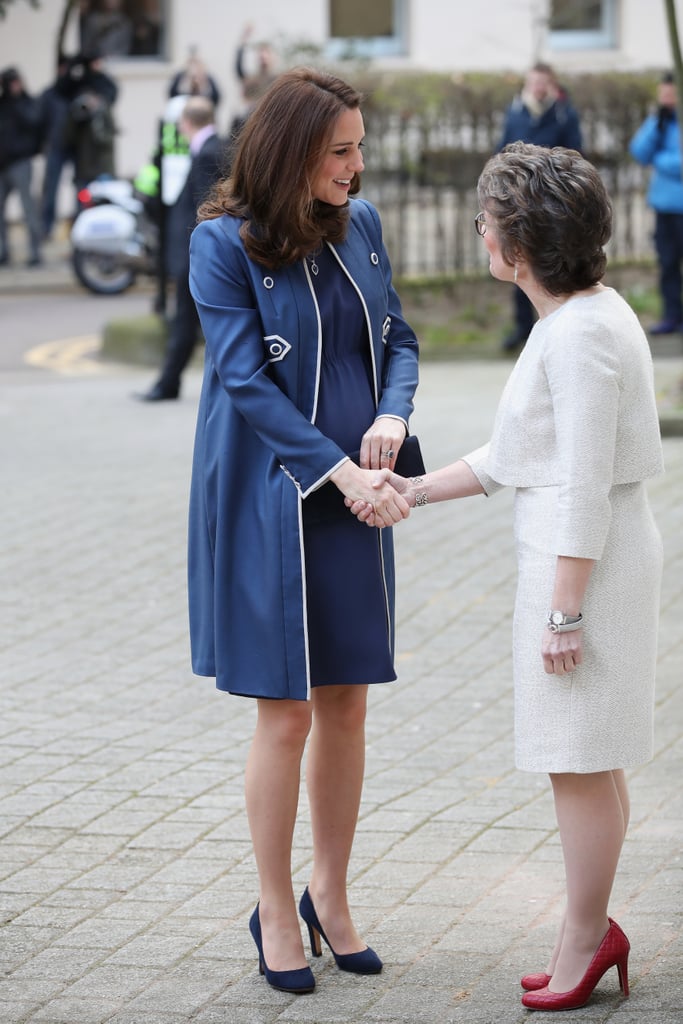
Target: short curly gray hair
550	208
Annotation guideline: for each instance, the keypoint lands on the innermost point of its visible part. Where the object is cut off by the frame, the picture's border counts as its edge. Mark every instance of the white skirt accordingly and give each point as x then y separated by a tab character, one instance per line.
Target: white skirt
600	716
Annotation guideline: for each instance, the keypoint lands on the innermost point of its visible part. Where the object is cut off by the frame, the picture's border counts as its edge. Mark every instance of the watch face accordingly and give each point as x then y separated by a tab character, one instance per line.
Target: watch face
557	618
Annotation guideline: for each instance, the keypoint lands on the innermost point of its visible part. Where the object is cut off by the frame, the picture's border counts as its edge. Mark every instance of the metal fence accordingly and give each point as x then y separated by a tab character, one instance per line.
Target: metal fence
429	228
423	182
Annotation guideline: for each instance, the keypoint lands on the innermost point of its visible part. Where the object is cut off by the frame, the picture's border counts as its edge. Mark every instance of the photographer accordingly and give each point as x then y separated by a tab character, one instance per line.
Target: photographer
657	144
90	128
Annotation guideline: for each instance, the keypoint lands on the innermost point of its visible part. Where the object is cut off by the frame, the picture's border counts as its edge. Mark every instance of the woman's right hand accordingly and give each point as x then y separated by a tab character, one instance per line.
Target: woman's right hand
366	511
370	492
562	652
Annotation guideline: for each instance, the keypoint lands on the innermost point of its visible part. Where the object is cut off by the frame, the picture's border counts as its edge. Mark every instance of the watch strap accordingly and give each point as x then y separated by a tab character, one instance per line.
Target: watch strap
559	622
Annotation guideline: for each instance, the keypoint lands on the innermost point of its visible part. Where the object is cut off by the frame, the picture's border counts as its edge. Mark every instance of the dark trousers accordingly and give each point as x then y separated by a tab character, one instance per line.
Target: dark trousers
182	338
18	177
54	164
669	247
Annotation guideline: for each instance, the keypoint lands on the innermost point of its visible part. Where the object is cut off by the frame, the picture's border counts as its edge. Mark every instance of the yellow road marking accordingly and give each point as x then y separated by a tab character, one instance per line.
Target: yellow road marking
68	356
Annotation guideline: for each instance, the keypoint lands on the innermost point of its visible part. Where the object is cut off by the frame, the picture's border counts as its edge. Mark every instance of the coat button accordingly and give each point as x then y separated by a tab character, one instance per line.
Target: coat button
268	282
374	258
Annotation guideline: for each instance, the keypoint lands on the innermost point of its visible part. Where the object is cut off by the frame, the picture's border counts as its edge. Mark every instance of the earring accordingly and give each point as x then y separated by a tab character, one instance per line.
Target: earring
515	276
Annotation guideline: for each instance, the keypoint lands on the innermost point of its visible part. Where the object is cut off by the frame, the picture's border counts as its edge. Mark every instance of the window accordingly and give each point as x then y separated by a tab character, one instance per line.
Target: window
582	24
359	28
122	28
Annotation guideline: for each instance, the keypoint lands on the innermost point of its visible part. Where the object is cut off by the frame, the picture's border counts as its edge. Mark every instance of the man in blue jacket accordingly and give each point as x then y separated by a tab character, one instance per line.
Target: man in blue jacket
541	114
657	144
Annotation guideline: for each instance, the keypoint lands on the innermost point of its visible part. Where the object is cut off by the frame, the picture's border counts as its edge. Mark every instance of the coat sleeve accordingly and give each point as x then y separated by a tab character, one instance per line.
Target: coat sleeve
644	143
205	170
571	134
233	331
583	375
668	162
478	463
509	126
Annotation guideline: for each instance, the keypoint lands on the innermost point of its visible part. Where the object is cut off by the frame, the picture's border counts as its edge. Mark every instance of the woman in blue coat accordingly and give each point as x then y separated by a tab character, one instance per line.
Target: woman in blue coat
308	359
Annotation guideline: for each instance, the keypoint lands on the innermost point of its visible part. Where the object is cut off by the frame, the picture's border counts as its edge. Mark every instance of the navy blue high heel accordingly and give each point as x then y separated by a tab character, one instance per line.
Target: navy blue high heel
299	982
364	962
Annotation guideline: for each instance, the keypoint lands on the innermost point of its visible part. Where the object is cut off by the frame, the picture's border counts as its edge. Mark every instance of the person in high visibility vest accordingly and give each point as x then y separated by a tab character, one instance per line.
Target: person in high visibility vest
173	148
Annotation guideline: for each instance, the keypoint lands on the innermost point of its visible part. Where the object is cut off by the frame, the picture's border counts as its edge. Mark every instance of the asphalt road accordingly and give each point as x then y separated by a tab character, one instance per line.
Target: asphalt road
33	320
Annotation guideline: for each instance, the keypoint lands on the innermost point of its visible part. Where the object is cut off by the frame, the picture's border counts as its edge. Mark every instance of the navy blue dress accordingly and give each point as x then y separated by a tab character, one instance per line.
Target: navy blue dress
348	621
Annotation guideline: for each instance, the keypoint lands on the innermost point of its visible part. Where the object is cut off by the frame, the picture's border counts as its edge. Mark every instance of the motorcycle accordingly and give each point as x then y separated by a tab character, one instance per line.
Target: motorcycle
114	237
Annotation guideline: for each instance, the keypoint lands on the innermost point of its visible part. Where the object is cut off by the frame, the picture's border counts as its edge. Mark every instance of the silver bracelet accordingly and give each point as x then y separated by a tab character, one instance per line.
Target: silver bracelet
421	497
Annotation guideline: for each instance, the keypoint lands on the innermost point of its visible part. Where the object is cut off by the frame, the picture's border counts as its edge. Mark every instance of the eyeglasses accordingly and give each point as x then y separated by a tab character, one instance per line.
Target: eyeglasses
480	224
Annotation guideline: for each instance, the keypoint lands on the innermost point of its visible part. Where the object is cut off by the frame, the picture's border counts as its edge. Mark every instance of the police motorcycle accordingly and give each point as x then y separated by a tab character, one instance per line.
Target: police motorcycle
116	234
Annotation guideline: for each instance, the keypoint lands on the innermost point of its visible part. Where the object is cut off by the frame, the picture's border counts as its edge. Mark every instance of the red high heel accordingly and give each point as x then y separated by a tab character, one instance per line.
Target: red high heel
612	952
532	982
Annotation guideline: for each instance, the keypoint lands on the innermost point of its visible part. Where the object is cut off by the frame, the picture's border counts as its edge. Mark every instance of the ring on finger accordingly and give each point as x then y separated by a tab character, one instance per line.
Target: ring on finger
389	454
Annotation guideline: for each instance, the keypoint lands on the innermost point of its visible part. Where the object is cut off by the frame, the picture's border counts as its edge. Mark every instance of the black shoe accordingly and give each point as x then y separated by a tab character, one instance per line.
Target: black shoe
156	394
299	981
365	961
34	261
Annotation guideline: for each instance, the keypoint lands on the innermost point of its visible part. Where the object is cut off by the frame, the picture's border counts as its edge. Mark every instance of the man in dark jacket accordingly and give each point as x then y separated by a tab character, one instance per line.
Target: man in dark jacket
90	129
21	137
208	153
541	114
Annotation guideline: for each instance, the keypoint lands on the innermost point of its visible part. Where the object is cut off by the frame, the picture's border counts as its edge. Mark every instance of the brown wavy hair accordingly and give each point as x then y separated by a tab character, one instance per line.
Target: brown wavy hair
279	151
550	208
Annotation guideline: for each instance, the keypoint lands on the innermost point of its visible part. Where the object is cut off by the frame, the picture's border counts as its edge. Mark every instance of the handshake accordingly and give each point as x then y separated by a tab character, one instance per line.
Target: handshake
371	490
388	501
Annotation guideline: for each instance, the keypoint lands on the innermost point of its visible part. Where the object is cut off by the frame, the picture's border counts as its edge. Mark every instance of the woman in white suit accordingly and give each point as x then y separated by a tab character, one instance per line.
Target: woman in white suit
576	434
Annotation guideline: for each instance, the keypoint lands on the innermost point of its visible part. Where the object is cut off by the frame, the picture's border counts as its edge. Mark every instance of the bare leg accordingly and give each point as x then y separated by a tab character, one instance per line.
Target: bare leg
272	792
591	813
558	946
334	775
622	793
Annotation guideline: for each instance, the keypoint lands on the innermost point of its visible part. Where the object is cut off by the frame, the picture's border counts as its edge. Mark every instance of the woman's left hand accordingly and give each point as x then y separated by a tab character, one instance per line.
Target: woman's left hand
562	652
381	443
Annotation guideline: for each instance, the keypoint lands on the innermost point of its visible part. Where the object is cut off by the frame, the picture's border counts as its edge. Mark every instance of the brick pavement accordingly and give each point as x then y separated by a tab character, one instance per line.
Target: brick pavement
126	876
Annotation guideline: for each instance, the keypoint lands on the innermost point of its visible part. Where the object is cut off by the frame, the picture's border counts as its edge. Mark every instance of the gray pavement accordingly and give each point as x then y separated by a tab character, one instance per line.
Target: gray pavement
126	874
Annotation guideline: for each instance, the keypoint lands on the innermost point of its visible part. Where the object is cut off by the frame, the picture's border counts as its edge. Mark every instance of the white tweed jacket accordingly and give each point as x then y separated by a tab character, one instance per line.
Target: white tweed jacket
579	413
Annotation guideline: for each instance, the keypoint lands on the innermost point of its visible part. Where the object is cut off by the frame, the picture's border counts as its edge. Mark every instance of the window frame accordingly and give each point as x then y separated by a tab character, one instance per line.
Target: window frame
161	55
352	47
603	38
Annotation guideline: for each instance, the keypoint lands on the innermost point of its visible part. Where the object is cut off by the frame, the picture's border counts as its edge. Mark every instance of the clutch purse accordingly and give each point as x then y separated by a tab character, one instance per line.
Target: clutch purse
328	501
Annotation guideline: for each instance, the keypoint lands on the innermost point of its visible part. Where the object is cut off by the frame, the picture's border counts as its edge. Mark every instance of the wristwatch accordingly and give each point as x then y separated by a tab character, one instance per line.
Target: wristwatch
558	622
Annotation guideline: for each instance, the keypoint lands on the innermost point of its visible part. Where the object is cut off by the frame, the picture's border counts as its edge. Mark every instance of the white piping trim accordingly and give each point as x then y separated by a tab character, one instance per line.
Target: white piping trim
323	479
384	584
304	600
320	342
375	389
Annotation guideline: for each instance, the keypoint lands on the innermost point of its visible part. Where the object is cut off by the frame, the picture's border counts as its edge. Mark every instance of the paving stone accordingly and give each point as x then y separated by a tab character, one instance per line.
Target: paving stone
128	876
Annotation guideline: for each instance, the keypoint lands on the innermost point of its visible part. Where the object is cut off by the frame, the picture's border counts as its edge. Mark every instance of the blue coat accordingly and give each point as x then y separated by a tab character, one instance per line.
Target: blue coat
661	148
557	125
258	453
